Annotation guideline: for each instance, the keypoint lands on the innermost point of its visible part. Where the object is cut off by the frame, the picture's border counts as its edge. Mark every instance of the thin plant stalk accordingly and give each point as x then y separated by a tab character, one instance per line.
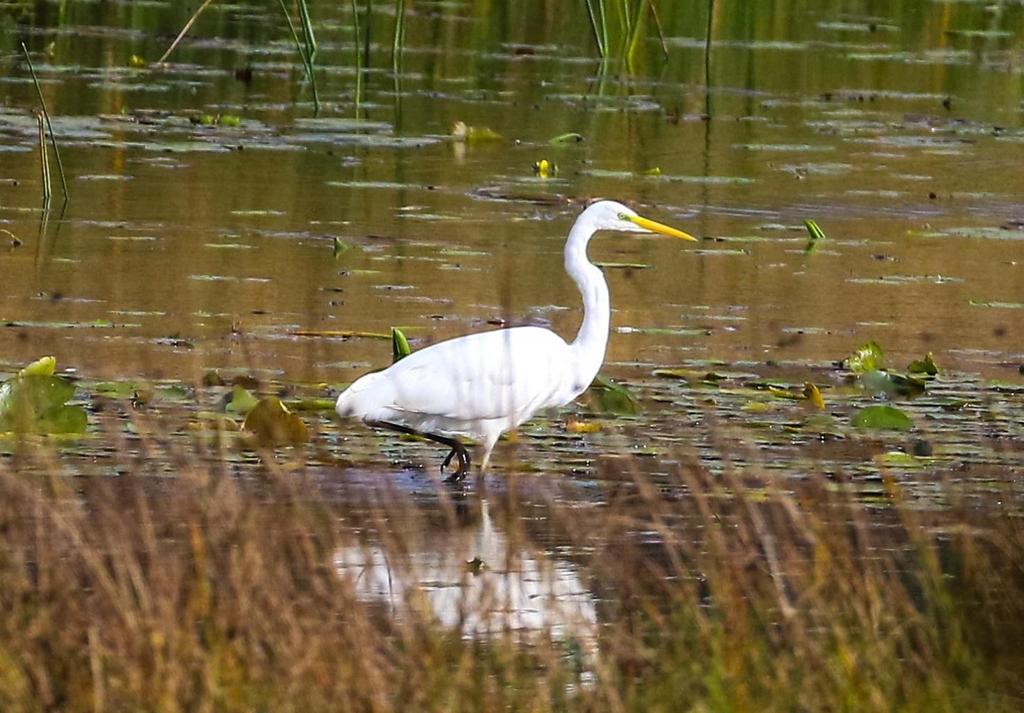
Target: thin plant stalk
43	160
634	24
49	126
657	25
398	41
359	57
368	22
311	50
304	49
307	32
594	27
604	25
707	46
184	30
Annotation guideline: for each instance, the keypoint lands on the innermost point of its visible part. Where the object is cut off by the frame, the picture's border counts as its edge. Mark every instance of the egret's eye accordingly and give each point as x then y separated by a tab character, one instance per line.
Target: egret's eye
623	216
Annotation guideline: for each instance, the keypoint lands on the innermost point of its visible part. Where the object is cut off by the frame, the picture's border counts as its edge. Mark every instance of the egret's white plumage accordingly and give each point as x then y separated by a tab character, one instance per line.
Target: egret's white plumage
482	385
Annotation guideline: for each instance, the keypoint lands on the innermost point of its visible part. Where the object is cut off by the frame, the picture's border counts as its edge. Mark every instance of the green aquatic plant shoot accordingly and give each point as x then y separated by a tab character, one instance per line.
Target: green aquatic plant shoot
571	137
306	46
399	345
53	136
816	236
867	357
35	400
398	40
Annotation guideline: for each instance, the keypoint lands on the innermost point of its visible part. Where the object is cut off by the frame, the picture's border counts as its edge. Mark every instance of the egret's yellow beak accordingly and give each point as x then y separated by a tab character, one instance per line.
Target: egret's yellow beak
656	227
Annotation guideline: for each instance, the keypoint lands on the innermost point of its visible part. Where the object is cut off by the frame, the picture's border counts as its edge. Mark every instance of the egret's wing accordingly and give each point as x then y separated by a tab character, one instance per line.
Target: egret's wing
481	376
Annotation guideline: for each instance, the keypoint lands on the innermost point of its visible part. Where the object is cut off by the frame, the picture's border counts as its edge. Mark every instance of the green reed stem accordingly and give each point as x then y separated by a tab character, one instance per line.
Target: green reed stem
603	14
49	126
657	25
43	160
307	49
359	56
594	27
307	31
707	45
634	36
398	42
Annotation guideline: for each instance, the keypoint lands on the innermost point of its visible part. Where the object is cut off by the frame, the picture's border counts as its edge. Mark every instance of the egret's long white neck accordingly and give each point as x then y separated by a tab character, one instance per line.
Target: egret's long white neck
591	340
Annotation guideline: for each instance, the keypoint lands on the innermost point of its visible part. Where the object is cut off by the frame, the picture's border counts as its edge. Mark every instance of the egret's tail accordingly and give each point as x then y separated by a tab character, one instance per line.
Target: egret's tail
358	400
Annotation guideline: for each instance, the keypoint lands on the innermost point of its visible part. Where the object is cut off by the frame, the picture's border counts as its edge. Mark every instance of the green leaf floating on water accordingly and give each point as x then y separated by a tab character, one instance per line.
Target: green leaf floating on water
35	401
816	233
399	345
891	383
340	247
867	358
924	366
242	401
882	418
609	397
570	138
272	424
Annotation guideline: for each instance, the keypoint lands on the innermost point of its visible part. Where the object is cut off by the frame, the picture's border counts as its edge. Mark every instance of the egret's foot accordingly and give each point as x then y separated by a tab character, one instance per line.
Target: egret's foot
460	452
457	449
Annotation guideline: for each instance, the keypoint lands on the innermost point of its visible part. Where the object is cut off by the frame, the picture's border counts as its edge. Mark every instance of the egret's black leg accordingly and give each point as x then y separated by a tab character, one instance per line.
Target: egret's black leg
457	449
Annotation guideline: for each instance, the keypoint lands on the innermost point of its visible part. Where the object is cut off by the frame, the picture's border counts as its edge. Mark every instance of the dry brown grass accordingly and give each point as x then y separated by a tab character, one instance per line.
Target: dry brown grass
214	589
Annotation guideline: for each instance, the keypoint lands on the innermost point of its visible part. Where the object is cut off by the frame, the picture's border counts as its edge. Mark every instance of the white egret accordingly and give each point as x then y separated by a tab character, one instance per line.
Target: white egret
482	385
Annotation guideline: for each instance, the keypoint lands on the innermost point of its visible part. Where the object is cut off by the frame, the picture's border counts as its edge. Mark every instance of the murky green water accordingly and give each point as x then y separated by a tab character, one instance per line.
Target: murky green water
189	248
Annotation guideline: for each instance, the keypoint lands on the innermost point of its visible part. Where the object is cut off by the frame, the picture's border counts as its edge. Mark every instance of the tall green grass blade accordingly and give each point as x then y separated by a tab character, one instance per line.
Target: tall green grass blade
359	56
603	17
707	45
43	160
658	27
304	49
49	126
594	27
307	32
635	35
398	42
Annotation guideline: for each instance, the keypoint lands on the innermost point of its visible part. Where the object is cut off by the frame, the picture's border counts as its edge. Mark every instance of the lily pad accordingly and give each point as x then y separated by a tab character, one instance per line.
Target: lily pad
35	401
610	397
882	418
866	358
273	424
924	366
891	383
242	401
